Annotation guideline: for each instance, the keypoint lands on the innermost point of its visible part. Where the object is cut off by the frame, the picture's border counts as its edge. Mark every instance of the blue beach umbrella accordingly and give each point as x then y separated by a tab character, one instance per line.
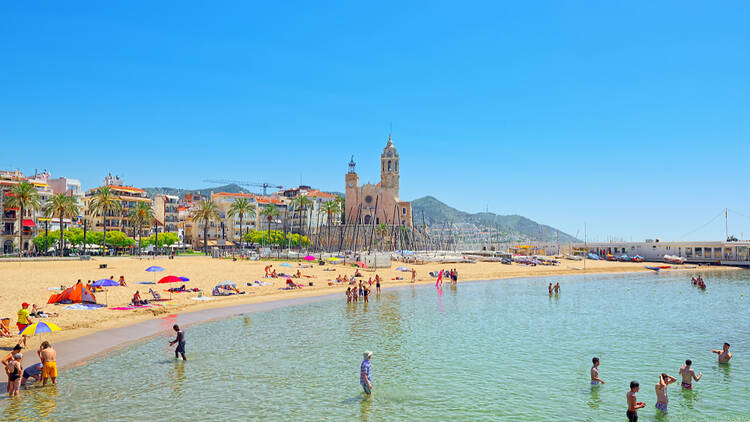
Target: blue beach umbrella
184	278
105	282
286	264
154	269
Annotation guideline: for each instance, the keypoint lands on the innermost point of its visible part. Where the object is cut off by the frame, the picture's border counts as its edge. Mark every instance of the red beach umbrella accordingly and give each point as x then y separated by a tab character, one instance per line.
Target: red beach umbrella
171	279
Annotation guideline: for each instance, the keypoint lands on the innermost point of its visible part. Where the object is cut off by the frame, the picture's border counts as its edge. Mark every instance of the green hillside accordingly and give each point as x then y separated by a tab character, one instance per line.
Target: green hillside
438	213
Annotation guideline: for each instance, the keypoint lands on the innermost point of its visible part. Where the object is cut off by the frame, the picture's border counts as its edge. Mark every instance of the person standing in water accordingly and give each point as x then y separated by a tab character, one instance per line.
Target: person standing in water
557	288
688	375
364	373
724	354
595	380
661	391
633	404
180	340
48	356
550	289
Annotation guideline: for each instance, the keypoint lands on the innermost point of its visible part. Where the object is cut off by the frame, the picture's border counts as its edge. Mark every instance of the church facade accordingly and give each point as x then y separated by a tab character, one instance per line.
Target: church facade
377	204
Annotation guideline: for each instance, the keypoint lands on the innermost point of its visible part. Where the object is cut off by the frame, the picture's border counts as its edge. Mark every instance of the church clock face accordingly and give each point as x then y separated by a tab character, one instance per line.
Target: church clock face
368	199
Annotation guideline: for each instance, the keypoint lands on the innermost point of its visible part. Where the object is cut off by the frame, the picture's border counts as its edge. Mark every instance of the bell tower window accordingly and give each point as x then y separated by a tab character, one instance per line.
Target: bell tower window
389	165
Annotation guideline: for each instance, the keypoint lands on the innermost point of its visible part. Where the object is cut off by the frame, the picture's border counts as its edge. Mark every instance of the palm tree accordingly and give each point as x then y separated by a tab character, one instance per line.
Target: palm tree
62	205
105	201
331	208
270	212
23	196
240	207
206	211
381	230
300	203
141	215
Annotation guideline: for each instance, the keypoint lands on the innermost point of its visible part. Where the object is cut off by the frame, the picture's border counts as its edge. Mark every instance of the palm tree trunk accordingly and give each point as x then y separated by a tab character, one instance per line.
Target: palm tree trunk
240	232
20	232
139	243
61	234
205	235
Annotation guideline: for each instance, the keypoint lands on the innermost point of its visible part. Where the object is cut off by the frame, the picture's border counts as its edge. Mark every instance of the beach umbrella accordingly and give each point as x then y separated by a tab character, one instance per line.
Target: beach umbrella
171	279
333	259
309	258
184	279
286	264
39	328
105	282
154	269
361	264
402	269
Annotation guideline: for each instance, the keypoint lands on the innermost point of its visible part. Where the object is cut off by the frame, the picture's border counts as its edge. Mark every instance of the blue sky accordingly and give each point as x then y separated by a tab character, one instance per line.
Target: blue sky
631	117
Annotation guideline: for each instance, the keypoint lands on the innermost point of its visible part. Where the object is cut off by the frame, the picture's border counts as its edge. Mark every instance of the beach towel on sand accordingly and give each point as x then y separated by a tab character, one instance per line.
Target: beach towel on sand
84	306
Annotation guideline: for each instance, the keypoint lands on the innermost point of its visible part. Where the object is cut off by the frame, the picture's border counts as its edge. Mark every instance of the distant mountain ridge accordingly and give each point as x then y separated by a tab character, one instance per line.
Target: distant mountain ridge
436	213
204	192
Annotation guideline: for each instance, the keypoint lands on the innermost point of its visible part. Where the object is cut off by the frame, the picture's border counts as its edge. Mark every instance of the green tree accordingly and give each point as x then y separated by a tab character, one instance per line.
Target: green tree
270	212
302	203
141	215
331	208
23	196
43	242
105	201
240	207
166	239
119	239
61	204
204	213
381	230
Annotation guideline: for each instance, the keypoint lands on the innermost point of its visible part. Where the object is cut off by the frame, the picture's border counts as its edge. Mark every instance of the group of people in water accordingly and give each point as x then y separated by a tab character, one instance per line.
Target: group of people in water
555	288
686	372
42	371
361	290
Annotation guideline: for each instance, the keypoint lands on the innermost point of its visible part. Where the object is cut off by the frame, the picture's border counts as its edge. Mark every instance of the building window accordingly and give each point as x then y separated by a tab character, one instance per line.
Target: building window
389	165
403	210
367	219
368	199
377	220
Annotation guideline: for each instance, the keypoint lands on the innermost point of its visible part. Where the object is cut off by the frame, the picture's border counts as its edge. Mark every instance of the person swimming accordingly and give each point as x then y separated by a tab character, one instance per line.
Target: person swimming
724	354
688	375
595	380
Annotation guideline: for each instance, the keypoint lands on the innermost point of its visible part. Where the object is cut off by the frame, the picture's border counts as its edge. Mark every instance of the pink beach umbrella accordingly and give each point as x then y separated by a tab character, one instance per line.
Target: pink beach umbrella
309	258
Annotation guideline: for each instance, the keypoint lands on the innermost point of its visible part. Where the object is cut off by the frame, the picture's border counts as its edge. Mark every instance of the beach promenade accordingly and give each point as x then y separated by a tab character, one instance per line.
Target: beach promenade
33	282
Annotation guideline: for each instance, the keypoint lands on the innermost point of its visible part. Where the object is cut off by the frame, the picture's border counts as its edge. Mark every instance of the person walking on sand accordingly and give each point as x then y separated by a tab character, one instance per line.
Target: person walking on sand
365	378
661	391
413	275
48	356
23	320
724	354
15	372
688	375
180	340
595	380
633	404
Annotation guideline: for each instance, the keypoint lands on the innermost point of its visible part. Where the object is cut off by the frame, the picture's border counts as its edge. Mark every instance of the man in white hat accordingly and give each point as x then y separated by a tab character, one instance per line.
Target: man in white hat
364	373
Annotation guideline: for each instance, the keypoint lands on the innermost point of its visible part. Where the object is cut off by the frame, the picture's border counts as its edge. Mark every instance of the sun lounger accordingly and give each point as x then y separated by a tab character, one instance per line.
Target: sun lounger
154	294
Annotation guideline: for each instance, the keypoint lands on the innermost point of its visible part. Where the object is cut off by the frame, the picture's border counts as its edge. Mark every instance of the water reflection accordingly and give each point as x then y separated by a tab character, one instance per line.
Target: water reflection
365	407
177	378
595	401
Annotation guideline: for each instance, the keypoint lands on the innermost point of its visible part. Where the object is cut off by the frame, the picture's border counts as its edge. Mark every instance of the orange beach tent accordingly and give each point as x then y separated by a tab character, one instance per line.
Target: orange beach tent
76	294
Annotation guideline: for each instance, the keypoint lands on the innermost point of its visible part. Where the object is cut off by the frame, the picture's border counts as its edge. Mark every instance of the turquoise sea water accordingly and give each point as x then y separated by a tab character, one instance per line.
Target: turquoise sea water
483	351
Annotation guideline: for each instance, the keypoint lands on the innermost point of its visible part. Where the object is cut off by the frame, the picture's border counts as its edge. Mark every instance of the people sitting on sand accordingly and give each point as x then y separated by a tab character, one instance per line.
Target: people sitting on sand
290	284
122	281
299	274
137	301
38	312
273	274
357	273
351	278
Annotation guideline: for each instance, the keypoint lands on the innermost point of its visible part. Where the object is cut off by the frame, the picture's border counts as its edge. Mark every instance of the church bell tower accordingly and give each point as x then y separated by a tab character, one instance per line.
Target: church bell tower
389	167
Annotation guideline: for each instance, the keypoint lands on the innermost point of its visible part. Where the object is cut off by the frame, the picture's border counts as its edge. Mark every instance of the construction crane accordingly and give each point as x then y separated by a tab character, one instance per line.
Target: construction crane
264	185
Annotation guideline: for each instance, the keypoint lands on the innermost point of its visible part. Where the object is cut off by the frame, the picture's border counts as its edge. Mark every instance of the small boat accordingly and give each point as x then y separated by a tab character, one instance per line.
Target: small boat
638	258
664	267
653	268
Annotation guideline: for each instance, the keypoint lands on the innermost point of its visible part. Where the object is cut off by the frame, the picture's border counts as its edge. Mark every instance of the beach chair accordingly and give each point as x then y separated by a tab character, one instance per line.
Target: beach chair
6	324
154	294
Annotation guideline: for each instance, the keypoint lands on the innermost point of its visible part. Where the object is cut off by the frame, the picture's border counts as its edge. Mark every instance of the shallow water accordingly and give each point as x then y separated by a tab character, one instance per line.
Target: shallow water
484	351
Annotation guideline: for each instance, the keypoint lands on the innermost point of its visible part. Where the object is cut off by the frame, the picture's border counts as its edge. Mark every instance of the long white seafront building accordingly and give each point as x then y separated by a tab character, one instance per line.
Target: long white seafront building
736	253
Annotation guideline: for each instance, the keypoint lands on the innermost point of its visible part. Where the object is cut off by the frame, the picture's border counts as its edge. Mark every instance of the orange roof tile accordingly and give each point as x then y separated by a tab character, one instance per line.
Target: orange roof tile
244	195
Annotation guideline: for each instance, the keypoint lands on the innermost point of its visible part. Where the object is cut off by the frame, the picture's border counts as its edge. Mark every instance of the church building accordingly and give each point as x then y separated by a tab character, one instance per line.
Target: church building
368	204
